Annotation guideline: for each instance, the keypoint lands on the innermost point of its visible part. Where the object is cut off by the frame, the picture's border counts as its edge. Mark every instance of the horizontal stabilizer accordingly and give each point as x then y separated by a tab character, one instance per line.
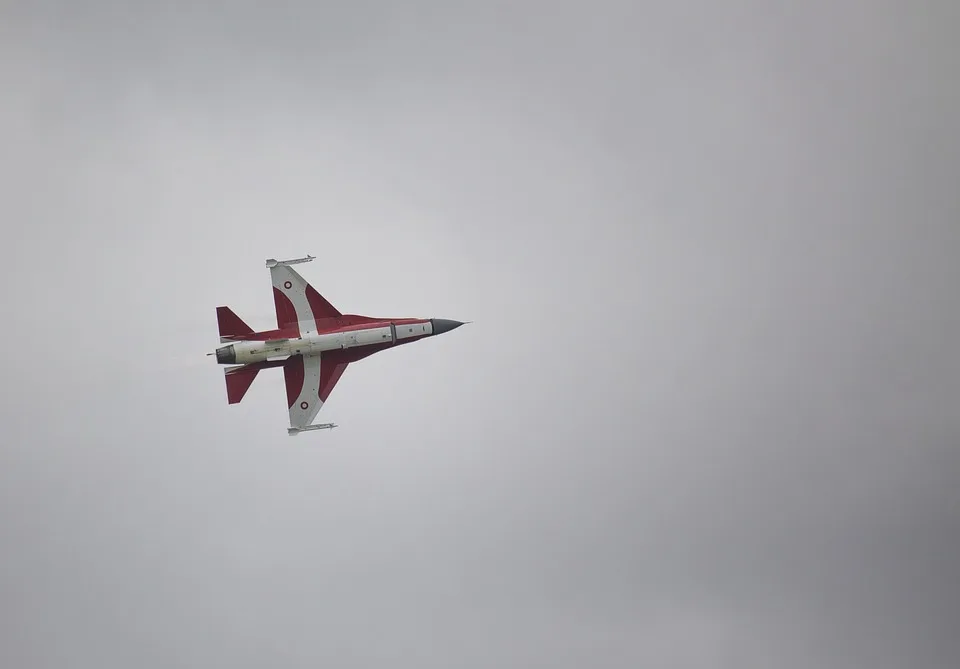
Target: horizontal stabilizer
240	378
238	383
230	324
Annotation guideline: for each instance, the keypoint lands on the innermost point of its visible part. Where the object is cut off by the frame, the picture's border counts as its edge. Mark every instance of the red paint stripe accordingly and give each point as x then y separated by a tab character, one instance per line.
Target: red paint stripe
268	335
351	322
372	325
321	309
238	383
286	314
239	380
293	374
329	375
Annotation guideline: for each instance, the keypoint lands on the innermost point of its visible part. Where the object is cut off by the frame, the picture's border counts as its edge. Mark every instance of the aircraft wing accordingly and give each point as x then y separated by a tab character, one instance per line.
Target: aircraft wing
298	303
309	382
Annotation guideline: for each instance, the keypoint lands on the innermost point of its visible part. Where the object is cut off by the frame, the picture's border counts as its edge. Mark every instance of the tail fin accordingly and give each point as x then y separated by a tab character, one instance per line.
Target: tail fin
230	324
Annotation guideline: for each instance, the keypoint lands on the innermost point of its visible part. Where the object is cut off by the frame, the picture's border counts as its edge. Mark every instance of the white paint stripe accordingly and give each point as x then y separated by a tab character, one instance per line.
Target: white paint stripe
281	276
309	394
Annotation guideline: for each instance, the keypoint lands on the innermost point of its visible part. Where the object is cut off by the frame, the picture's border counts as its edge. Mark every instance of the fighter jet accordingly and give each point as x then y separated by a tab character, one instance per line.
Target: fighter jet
313	343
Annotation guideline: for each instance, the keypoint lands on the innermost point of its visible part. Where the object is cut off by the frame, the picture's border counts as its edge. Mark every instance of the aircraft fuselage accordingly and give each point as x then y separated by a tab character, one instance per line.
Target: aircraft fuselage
378	334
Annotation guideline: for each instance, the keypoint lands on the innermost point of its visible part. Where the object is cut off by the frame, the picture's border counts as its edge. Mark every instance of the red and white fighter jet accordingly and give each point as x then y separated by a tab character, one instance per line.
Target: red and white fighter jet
313	343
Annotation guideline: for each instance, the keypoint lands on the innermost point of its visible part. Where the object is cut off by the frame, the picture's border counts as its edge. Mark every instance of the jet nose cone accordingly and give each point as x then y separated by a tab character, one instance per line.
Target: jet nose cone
441	325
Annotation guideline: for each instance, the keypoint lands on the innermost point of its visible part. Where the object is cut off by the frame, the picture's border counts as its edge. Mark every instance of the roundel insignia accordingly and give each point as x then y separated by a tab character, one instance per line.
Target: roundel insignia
287	285
303	405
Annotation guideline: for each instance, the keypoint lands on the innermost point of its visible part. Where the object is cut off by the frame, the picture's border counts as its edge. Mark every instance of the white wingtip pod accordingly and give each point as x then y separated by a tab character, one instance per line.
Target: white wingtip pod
294	431
273	262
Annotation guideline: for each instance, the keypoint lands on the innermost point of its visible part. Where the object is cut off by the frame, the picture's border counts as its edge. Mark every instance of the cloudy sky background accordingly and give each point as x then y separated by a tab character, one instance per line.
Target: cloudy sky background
708	414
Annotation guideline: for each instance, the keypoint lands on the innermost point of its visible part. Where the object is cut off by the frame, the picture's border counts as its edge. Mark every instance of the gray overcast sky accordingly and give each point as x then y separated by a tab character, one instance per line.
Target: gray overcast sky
708	414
